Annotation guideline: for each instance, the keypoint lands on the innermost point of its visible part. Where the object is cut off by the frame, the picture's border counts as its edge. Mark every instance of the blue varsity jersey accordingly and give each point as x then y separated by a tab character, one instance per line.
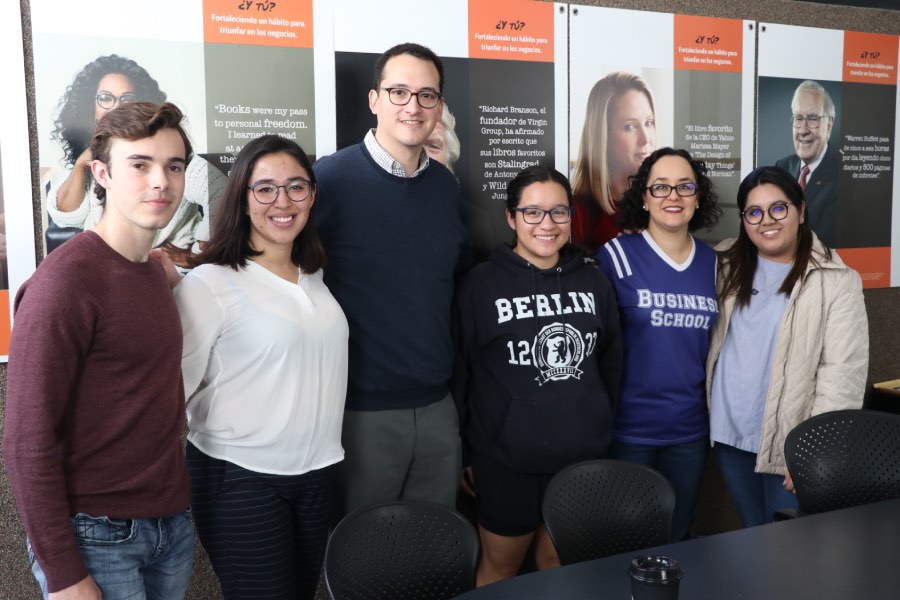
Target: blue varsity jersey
667	314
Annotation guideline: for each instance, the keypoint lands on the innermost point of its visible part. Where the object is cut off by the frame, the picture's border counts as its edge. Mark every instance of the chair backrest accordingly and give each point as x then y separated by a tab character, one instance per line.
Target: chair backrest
844	458
603	507
400	550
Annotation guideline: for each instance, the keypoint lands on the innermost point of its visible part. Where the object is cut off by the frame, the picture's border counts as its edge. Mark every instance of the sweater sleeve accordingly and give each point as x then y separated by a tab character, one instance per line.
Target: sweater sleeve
51	336
201	323
463	341
843	366
324	213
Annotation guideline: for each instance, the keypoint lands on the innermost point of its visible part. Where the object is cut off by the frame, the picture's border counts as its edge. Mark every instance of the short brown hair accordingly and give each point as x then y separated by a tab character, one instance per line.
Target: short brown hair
135	121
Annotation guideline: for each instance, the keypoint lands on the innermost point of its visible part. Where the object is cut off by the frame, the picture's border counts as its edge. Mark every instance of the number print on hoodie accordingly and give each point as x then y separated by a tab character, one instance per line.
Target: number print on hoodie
538	361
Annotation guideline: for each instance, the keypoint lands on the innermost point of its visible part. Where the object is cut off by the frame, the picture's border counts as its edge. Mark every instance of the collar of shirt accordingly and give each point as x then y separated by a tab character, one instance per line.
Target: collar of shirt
812	166
387	162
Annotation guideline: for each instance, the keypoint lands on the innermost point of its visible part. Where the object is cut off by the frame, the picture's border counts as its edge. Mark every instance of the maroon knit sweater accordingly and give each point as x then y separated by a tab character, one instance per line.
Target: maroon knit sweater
95	401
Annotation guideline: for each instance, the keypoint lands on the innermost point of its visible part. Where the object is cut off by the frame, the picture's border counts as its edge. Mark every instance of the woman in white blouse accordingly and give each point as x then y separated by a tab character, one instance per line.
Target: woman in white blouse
265	374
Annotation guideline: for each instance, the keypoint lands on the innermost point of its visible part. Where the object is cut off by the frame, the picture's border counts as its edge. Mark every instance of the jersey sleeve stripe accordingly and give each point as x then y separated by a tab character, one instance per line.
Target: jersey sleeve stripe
622	257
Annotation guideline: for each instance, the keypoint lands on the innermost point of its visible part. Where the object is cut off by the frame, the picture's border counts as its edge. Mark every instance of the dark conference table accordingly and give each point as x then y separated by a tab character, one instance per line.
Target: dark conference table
842	555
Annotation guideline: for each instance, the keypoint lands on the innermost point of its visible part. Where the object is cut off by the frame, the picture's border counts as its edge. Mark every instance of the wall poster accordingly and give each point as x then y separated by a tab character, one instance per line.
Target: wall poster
16	214
836	114
504	84
688	84
238	69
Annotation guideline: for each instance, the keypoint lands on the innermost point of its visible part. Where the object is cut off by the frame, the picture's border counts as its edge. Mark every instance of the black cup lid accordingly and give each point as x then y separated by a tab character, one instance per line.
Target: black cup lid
655	569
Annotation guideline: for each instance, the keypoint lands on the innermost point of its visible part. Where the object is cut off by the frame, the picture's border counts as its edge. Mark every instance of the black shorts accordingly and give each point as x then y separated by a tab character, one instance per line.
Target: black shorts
508	502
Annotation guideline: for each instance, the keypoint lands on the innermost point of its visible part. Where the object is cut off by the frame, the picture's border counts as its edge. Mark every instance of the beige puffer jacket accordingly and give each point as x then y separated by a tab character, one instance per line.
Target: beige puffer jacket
821	356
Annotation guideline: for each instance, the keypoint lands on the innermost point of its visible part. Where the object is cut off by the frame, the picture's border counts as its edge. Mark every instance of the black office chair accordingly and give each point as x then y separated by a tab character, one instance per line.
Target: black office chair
603	507
399	551
844	458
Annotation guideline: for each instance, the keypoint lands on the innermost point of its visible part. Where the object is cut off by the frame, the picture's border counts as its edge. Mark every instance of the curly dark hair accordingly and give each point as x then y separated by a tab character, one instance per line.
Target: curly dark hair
75	124
632	205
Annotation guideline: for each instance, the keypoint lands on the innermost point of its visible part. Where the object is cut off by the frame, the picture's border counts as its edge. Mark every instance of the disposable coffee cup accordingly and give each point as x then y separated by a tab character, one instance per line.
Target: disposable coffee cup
655	578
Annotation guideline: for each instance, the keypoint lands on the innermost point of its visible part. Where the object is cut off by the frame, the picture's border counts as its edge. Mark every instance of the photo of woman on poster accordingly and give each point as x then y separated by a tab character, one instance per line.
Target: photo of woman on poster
98	88
619	133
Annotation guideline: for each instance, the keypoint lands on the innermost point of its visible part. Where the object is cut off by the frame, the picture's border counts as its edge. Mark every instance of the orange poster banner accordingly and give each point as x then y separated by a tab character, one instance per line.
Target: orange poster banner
709	44
511	30
285	23
5	324
870	57
872	264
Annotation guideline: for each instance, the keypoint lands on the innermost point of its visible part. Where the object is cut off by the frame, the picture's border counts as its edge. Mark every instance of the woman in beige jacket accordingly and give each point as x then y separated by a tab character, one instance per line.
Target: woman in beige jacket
791	341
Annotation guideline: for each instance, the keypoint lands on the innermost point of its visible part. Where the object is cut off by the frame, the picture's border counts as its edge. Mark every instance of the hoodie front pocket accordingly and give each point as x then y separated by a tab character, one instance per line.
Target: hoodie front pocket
545	435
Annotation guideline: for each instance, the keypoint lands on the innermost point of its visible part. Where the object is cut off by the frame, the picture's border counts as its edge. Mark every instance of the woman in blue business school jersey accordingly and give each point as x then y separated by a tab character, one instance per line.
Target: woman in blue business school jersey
665	283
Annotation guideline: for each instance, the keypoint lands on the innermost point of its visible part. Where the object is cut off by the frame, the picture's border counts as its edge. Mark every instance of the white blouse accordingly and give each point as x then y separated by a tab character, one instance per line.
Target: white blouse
265	368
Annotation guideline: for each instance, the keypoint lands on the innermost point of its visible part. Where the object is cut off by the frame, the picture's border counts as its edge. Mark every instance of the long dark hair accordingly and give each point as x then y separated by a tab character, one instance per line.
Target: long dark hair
743	256
75	123
230	244
632	204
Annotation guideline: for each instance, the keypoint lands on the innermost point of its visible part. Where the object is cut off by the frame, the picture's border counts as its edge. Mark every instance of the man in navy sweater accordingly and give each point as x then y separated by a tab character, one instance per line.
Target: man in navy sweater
390	221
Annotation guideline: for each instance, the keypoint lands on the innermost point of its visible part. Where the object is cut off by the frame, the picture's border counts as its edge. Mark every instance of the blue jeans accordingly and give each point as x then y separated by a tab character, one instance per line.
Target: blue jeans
756	495
681	464
133	559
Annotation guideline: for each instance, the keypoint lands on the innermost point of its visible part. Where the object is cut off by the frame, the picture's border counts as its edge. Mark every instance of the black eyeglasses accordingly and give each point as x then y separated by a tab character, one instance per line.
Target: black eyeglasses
297	190
533	215
754	215
812	121
401	97
106	100
662	190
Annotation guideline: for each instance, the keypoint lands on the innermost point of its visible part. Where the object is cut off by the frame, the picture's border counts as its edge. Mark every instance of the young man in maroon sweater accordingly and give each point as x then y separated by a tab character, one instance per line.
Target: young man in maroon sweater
95	401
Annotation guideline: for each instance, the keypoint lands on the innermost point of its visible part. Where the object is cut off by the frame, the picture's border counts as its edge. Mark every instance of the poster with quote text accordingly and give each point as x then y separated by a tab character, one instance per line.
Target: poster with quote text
851	155
17	260
238	69
699	72
504	83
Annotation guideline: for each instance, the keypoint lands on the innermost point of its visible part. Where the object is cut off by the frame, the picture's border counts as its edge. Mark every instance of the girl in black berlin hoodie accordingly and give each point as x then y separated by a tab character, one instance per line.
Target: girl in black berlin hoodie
538	357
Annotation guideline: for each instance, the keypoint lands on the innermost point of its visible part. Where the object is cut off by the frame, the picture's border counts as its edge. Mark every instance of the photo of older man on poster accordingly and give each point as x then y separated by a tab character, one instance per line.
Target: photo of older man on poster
799	124
815	162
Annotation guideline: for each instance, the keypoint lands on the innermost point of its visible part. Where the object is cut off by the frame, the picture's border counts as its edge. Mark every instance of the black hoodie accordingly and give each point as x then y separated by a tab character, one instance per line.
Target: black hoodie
538	360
